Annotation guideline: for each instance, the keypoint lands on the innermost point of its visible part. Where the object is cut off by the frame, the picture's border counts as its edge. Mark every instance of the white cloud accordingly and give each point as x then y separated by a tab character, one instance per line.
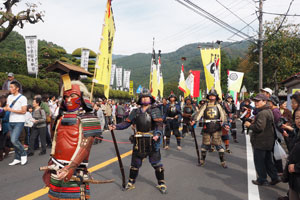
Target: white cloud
76	23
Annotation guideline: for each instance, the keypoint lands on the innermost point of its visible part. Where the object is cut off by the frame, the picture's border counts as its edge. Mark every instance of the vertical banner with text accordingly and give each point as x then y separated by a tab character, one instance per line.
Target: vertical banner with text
126	79
119	77
84	62
112	74
32	54
131	88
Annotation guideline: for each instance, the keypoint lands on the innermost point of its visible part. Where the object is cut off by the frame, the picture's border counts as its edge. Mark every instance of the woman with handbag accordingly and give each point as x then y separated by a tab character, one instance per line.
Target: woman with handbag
38	128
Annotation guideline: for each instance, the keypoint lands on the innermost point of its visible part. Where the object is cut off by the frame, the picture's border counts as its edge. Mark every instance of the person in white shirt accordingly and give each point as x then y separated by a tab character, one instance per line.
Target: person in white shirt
28	124
17	106
52	105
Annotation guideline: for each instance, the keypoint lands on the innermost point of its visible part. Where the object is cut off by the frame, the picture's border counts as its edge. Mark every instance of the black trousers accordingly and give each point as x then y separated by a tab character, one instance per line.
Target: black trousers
3	140
264	165
35	132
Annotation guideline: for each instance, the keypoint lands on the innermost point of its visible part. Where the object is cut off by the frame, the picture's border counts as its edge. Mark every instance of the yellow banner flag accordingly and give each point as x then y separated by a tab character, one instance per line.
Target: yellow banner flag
154	91
104	57
211	59
161	86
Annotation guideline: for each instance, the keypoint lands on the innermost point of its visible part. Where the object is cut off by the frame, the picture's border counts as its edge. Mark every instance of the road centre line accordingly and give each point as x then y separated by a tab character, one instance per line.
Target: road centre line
45	190
253	192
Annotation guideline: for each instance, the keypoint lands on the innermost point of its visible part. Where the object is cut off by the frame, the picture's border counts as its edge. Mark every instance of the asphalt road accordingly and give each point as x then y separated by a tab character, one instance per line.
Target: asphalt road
185	180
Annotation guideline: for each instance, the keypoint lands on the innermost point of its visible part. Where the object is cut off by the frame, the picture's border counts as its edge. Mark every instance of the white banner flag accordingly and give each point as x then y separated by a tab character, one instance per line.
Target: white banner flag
126	80
112	74
190	83
235	80
32	54
84	60
119	76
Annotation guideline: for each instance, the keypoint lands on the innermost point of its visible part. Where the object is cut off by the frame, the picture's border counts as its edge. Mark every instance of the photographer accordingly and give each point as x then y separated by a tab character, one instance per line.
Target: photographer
246	112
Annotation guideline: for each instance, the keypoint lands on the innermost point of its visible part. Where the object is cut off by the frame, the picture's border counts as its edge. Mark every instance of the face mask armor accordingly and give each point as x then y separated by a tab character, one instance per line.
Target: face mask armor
72	98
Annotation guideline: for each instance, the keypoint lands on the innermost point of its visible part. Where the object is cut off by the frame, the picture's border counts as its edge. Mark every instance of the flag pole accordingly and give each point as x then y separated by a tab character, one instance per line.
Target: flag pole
151	69
99	53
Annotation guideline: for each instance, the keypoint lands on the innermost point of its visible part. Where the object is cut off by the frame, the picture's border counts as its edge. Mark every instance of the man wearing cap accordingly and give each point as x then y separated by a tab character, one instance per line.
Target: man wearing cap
266	91
10	78
262	140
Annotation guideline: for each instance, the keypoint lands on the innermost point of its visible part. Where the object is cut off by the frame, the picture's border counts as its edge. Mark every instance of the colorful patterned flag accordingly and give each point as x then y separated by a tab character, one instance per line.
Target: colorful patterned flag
211	59
235	80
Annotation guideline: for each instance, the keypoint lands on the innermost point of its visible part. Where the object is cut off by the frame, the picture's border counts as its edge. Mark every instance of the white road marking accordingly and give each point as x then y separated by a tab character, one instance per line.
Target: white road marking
253	192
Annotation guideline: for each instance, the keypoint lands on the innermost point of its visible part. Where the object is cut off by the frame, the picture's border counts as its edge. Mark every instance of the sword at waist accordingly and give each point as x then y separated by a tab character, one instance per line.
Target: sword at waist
143	134
211	120
75	178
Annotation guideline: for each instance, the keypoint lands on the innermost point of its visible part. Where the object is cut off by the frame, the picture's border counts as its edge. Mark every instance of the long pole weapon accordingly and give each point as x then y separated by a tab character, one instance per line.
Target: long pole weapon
119	158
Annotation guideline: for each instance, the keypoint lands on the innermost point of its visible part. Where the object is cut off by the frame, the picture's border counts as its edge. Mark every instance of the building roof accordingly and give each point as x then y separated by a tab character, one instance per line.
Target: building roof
63	68
295	76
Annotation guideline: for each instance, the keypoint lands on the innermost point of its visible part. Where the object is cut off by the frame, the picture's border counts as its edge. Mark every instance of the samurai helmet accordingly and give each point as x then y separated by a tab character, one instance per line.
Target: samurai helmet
145	93
172	95
228	96
188	98
213	92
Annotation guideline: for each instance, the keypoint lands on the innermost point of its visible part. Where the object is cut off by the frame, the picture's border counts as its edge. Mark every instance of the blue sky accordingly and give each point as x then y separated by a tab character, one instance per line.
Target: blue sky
77	23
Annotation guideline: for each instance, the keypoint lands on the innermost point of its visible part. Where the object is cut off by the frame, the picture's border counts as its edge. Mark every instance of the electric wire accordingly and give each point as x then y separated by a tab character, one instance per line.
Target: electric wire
235	15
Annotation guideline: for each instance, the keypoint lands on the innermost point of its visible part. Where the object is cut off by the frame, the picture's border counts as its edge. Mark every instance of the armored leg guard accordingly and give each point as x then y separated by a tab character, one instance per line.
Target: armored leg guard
222	159
167	142
178	143
134	172
233	133
227	148
203	156
159	173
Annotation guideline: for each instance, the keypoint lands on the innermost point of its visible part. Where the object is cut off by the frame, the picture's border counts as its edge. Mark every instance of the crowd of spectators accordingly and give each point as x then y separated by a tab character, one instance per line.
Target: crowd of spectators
265	118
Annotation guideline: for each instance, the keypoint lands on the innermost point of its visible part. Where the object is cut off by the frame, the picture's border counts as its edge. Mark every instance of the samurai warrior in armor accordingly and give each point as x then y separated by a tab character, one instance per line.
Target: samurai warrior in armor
146	140
214	118
172	119
187	113
230	110
66	174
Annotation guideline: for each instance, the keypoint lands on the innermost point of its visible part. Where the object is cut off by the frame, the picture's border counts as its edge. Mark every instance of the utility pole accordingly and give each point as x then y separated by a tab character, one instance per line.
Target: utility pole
260	44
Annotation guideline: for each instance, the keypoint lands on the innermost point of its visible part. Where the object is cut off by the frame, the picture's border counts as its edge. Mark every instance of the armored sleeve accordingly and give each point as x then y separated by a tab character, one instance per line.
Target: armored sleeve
128	121
178	108
83	152
223	117
157	118
197	116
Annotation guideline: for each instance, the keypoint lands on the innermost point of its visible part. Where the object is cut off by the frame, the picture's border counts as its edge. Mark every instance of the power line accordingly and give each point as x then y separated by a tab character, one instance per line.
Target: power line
235	15
287	12
219	21
193	28
212	18
280	14
244	28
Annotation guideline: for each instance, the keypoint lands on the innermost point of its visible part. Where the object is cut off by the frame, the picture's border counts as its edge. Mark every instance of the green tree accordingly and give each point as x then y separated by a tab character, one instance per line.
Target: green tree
8	19
281	55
